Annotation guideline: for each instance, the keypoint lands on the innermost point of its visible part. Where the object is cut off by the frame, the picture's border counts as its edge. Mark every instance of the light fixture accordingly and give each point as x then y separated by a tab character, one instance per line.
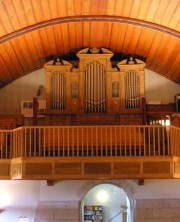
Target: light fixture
102	196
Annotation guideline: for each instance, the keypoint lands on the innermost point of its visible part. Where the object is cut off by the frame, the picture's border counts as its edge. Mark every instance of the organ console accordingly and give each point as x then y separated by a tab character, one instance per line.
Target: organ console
95	91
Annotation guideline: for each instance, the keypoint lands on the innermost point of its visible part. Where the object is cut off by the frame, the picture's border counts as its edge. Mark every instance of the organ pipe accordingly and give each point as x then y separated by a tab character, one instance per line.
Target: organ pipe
58	87
132	90
95	87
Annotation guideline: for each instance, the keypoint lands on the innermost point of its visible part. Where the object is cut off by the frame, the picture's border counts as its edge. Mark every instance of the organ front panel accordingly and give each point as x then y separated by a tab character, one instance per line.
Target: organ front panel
94	91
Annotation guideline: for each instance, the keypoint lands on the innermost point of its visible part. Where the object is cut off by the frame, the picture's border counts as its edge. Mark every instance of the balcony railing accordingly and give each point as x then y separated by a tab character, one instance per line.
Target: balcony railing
72	141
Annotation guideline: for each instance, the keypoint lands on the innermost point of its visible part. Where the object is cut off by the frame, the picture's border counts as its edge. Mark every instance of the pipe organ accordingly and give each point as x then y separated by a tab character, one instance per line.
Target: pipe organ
95	91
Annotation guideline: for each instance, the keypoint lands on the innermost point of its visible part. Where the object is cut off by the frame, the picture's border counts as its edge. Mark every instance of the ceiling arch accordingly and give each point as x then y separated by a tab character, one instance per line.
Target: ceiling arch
32	31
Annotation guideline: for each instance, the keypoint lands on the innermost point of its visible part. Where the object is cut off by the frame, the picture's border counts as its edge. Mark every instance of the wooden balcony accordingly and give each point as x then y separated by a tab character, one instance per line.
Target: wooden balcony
90	152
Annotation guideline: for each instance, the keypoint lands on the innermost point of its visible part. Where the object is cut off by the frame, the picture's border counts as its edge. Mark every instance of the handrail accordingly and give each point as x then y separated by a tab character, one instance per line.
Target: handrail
115	140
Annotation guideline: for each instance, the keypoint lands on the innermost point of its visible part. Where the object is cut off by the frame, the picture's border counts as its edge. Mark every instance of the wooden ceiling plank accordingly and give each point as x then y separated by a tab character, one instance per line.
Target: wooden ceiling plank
107	30
79	35
169	50
62	8
172	9
114	39
53	7
100	35
65	37
127	8
5	19
86	9
128	40
20	12
5	77
78	7
29	12
46	10
145	41
134	39
174	67
38	10
151	10
136	6
7	61
70	7
174	23
33	50
143	9
159	15
18	66
72	33
51	40
93	31
119	7
58	39
102	6
38	46
121	36
26	49
12	14
45	42
110	7
154	46
86	34
95	7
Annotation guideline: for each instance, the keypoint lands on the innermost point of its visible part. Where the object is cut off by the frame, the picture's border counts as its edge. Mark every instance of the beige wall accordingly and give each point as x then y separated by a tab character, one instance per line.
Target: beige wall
25	88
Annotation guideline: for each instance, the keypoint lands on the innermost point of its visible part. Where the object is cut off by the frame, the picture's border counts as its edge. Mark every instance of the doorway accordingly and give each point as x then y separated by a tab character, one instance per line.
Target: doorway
107	203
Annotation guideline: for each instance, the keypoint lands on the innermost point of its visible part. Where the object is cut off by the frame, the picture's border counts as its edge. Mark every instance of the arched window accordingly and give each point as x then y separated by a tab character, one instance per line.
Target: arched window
58	90
74	90
95	87
115	89
132	90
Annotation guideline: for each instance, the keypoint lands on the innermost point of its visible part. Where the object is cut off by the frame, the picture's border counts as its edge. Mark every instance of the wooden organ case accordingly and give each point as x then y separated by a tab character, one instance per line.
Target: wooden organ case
95	91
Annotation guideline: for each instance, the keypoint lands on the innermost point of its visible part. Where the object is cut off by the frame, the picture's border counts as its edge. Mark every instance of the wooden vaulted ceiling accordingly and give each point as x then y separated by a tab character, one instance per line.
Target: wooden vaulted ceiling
33	31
